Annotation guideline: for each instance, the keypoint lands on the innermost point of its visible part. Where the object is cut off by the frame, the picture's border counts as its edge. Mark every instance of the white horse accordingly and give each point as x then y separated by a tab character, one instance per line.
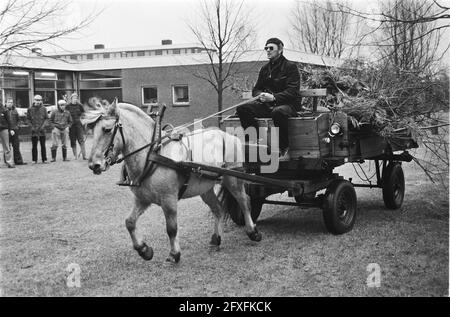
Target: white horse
163	185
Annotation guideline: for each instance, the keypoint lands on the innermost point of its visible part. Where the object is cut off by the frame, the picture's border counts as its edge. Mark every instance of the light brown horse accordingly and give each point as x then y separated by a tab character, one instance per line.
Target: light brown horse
163	185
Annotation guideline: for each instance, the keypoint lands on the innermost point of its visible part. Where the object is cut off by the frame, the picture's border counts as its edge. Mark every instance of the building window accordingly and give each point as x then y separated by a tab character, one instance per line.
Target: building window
90	56
176	51
149	95
104	84
101	75
14	83
101	79
106	55
180	95
73	56
140	53
158	52
52	84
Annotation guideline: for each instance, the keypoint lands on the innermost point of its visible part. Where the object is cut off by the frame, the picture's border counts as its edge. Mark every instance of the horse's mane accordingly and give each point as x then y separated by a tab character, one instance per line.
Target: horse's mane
93	115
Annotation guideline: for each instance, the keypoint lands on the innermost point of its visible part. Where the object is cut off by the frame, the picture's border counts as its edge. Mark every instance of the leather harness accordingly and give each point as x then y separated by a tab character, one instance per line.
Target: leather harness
154	158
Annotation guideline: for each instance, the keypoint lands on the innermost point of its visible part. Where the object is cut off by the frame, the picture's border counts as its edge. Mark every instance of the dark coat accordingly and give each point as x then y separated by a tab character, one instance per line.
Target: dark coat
4	118
13	118
282	79
37	117
76	110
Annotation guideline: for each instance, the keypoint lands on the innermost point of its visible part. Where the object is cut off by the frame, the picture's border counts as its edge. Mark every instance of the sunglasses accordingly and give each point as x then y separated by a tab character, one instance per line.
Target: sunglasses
269	48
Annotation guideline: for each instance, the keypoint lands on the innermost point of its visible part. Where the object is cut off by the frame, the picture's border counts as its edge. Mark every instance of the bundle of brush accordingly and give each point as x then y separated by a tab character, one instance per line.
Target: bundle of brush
390	103
397	104
352	96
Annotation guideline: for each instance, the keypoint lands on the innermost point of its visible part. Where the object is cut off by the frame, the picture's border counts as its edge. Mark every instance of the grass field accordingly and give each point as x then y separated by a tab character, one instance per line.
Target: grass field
60	213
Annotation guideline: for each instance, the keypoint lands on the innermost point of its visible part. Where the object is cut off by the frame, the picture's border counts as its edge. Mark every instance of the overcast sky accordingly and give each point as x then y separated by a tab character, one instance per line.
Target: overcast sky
133	23
146	22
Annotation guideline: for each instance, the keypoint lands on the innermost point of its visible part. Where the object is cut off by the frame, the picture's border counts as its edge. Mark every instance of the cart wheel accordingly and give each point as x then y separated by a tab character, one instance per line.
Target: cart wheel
305	197
339	212
393	186
255	210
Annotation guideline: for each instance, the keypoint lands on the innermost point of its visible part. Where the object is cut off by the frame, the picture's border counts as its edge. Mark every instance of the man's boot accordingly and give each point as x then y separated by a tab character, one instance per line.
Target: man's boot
64	153
83	151
74	150
53	154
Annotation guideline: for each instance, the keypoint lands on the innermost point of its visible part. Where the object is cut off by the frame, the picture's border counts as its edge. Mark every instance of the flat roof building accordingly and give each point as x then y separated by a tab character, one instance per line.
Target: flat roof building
142	76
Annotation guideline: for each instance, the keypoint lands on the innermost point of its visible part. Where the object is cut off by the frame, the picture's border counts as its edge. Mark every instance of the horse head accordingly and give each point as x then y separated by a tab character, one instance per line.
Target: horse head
106	146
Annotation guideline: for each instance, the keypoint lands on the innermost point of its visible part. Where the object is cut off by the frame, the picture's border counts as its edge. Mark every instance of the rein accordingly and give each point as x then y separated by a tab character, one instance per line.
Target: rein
118	126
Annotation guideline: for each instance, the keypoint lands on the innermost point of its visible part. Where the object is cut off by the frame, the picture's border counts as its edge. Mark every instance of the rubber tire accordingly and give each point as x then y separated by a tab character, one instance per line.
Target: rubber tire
255	210
393	186
332	207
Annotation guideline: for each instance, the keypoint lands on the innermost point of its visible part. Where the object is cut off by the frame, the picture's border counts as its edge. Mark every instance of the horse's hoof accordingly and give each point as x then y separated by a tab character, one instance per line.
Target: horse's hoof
215	240
145	252
255	235
174	258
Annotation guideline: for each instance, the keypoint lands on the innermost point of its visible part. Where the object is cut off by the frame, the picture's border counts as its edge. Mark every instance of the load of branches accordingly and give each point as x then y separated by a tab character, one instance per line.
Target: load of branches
387	100
392	102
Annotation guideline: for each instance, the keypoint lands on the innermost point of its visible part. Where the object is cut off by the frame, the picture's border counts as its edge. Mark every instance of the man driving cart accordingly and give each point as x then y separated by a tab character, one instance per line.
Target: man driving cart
277	87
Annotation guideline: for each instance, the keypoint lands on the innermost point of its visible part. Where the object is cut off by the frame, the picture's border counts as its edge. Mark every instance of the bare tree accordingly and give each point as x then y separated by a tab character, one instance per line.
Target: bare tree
27	23
224	28
409	38
409	33
320	27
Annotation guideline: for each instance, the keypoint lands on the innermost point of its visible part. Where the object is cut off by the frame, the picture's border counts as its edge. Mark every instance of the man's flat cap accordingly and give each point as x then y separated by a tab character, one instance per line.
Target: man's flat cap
275	40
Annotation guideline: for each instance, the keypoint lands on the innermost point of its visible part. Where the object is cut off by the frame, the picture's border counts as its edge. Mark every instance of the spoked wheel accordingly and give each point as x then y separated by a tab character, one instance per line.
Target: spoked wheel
339	212
393	186
256	204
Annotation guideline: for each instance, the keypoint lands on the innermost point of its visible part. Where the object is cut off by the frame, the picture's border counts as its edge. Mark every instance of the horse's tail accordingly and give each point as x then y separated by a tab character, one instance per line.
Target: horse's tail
230	206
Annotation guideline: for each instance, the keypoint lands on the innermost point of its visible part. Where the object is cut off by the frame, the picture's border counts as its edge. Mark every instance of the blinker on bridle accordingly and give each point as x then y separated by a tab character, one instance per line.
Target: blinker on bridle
117	126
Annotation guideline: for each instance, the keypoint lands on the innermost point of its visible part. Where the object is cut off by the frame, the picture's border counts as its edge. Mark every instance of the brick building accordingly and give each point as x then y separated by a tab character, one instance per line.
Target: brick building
141	76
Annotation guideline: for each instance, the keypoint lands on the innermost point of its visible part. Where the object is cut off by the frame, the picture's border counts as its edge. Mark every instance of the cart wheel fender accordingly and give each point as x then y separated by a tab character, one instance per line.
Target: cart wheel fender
339	207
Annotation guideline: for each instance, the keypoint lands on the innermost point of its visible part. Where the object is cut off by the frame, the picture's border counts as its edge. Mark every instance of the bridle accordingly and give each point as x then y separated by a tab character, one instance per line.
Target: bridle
110	160
108	155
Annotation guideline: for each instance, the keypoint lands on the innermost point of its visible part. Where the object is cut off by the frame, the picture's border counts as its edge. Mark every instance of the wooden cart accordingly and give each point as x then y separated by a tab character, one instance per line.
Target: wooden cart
320	141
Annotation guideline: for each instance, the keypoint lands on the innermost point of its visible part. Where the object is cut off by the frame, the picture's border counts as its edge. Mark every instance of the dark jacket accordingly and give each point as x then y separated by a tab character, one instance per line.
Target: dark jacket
4	118
37	118
60	119
13	118
282	79
76	110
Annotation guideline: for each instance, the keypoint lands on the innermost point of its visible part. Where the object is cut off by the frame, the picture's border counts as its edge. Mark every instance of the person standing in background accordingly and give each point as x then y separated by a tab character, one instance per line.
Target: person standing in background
14	131
37	118
76	131
61	120
5	127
